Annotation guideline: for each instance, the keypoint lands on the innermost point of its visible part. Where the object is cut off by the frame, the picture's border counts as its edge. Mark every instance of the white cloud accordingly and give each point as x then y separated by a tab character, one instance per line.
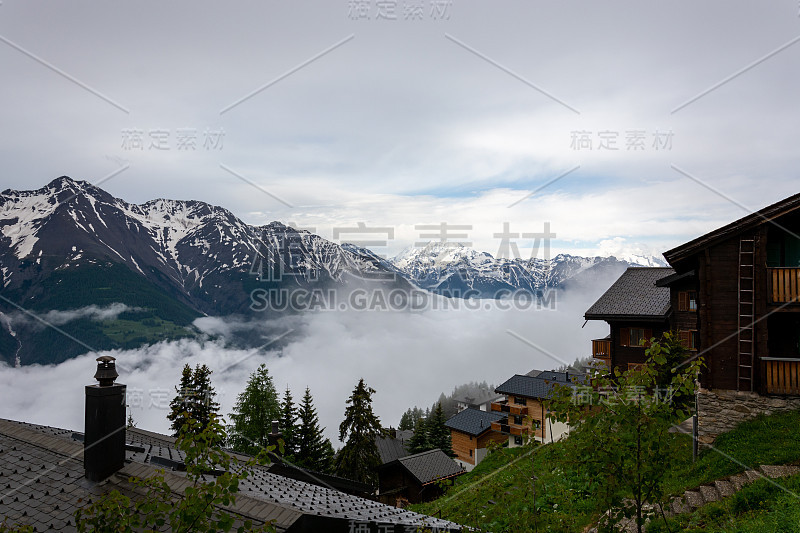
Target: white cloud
409	358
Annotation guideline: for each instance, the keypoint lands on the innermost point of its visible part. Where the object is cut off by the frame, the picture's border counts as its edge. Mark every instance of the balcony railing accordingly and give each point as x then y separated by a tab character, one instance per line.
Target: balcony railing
510	429
601	348
784	284
505	407
780	376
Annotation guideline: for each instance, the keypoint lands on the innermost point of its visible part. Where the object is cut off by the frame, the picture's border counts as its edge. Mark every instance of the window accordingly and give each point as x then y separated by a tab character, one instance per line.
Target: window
537	424
687	301
470	453
520	401
518	420
690	339
518	441
637	337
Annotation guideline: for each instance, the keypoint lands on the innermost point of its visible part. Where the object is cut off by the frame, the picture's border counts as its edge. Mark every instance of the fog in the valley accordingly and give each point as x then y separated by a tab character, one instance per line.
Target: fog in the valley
409	358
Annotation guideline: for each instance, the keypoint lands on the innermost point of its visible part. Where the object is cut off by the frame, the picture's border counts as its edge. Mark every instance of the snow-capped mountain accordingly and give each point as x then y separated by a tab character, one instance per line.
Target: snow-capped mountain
70	245
453	269
200	253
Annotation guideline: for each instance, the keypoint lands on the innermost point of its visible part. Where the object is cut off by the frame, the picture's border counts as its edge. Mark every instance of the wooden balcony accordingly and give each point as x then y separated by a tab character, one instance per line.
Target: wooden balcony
780	375
784	284
510	429
601	349
505	407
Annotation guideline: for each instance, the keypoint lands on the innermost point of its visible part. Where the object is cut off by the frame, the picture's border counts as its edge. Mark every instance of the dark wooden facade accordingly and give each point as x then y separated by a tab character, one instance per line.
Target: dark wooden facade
748	314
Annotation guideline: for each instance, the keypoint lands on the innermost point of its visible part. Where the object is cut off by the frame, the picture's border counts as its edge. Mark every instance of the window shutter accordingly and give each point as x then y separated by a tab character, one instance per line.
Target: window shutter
648	334
683	301
624	336
685	338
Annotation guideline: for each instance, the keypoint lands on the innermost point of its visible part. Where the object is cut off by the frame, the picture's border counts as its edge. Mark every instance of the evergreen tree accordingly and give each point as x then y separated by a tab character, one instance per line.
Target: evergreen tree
312	451
327	457
419	441
194	401
289	424
359	459
406	421
439	434
256	407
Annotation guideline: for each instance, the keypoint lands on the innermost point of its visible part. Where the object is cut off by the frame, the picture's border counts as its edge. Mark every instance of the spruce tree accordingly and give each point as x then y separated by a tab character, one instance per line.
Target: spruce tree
439	434
359	459
312	452
419	440
256	407
289	425
407	421
194	401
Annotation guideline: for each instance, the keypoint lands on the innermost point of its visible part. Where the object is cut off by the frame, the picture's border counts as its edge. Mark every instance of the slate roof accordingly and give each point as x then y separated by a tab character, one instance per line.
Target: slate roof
390	448
473	421
529	387
42	481
430	466
634	296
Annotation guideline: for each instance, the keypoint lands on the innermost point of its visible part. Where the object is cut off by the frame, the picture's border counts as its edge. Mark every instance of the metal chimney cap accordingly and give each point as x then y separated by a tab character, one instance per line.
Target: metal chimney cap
106	370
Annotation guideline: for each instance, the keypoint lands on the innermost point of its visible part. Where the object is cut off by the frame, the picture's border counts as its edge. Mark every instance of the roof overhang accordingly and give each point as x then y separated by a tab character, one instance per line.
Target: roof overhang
669	280
766	215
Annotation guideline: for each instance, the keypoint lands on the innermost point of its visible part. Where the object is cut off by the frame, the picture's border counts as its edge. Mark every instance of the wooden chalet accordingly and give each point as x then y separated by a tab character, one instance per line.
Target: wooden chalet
416	478
524	413
636	310
745	281
471	433
733	295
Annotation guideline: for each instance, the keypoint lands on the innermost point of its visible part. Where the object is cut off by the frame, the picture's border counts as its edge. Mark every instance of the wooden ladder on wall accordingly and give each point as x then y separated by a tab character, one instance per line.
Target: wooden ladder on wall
745	337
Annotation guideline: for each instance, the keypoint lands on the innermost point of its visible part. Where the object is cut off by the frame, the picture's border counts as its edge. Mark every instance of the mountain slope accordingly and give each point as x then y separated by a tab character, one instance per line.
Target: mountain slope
451	269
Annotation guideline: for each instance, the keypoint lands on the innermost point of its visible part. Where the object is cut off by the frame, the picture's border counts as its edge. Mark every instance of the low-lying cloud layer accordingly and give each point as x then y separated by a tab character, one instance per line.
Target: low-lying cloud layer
59	318
409	358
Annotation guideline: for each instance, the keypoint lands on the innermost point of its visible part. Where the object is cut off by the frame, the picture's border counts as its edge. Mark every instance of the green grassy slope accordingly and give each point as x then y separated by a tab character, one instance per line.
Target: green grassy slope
498	495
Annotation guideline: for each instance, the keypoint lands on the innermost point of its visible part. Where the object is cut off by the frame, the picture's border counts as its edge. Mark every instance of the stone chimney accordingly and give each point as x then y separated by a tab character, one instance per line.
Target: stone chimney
104	433
275	436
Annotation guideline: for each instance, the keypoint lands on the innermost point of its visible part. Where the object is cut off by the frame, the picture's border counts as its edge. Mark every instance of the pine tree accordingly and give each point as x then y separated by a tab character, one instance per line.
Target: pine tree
419	441
359	459
289	425
256	407
312	452
407	421
438	433
194	401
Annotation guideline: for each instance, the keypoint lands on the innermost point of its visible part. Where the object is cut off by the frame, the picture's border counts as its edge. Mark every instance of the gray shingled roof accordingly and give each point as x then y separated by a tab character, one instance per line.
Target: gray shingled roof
529	387
42	481
634	295
430	466
390	449
473	421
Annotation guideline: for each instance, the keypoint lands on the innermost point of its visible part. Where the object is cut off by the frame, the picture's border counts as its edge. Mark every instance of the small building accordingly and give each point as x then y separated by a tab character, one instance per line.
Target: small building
471	433
393	445
524	414
636	309
482	401
415	478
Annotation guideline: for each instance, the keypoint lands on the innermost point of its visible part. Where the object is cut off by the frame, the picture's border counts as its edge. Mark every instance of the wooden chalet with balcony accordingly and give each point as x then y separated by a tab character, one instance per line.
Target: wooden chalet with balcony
636	309
471	433
743	282
526	416
733	296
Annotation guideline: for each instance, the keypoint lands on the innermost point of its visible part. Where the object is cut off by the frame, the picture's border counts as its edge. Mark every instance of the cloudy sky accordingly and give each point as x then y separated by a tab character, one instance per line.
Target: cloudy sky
628	126
329	113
